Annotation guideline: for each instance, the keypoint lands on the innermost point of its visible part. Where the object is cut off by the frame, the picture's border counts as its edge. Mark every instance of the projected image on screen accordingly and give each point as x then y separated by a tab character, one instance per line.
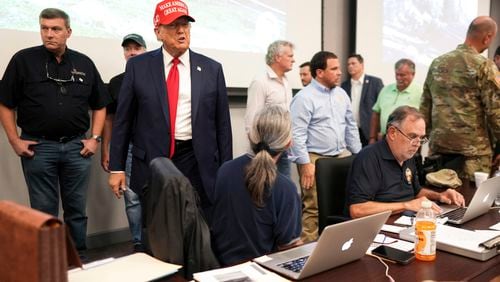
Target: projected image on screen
233	25
424	29
238	25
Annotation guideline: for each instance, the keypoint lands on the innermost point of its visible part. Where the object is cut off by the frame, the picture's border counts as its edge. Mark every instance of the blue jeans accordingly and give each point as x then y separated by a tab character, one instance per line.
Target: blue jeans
59	168
284	165
132	204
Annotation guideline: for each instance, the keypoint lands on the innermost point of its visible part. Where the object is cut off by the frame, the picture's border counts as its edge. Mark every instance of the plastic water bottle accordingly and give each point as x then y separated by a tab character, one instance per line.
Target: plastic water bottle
425	231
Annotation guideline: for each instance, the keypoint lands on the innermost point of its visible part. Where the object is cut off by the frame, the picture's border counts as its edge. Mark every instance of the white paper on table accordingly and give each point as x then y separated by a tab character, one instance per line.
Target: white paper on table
495	226
248	271
408	221
463	238
135	267
404	220
392	228
393	243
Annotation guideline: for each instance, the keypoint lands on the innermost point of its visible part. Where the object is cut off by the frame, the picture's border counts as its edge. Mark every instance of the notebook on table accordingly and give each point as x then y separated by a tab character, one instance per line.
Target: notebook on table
459	241
338	244
480	204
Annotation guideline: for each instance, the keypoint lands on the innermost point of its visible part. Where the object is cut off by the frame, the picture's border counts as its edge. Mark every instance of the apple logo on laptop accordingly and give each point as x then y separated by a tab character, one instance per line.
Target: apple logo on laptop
486	198
347	244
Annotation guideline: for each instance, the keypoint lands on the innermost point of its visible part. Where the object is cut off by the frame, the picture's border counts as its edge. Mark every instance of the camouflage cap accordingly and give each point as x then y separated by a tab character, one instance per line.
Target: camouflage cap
444	178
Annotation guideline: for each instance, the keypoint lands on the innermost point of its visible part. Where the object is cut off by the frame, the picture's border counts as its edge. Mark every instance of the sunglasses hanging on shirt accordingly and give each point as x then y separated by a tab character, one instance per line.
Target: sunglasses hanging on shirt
59	81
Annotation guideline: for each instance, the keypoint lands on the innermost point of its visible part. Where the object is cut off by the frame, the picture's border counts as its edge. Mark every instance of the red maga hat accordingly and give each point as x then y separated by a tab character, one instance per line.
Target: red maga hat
169	10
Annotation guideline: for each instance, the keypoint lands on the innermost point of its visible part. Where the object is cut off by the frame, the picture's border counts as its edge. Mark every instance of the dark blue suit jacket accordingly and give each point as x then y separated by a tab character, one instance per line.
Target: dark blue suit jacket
143	117
371	88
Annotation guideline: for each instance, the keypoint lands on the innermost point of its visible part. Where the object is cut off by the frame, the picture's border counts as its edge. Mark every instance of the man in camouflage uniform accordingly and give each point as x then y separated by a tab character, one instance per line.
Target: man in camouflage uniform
496	57
461	100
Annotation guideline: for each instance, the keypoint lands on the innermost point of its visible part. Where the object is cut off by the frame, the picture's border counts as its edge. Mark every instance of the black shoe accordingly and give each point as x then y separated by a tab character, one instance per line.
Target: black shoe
139	248
83	258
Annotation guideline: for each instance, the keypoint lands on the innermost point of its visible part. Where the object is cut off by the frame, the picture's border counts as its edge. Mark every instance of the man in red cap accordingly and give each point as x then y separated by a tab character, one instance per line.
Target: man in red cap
173	103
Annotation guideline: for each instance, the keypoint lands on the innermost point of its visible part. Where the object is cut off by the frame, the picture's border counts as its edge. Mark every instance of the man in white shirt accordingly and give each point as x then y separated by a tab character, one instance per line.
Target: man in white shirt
189	123
363	90
272	88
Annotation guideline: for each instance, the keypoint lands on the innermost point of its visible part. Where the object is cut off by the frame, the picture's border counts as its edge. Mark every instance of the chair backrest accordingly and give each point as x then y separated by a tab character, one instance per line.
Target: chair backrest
176	230
331	177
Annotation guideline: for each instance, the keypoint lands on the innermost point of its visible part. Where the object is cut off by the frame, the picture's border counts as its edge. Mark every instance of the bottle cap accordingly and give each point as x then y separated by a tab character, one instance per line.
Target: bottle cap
426	204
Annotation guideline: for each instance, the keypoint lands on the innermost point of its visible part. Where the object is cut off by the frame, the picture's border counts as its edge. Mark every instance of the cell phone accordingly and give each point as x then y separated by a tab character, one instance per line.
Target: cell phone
393	254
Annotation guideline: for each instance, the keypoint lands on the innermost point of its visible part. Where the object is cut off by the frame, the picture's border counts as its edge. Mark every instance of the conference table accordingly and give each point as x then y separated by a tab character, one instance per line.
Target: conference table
446	267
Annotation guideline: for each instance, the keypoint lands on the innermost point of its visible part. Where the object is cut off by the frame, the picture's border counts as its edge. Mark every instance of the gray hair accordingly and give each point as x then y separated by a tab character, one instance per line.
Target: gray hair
397	117
275	49
269	136
407	62
54	13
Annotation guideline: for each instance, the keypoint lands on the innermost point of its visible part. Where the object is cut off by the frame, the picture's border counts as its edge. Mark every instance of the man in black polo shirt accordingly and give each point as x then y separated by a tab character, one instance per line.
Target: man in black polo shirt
52	89
384	176
133	45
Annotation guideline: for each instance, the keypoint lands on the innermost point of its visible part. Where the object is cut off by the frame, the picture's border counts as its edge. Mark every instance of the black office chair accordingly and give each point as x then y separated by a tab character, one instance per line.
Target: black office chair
175	228
331	177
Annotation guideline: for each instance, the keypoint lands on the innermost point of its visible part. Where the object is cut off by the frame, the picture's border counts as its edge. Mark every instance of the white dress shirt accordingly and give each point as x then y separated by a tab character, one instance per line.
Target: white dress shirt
356	90
183	129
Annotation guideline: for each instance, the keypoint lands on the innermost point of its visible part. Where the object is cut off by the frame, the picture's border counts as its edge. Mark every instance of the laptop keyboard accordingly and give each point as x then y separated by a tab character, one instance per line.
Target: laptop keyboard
295	265
455	214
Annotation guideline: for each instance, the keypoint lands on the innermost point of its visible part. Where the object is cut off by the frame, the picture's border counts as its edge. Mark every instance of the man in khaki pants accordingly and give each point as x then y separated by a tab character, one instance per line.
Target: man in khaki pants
323	126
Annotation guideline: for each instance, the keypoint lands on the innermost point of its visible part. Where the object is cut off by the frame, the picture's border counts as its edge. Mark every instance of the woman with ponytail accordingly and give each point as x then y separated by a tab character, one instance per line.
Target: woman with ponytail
256	209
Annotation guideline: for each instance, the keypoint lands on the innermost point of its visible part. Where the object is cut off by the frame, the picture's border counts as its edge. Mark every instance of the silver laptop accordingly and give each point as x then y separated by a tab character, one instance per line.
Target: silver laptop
338	244
479	205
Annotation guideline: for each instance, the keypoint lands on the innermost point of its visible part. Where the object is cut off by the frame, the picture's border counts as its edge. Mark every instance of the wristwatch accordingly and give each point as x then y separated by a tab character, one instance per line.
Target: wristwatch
97	138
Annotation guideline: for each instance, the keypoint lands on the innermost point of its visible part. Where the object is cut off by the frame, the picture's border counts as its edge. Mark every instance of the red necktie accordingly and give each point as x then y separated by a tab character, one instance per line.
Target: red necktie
173	96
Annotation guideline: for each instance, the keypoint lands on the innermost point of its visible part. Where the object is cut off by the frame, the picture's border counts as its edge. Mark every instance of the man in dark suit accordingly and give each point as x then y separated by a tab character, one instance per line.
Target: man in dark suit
363	90
172	103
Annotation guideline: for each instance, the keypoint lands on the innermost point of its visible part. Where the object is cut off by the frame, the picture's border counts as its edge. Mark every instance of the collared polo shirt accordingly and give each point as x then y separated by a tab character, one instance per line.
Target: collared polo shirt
376	175
390	98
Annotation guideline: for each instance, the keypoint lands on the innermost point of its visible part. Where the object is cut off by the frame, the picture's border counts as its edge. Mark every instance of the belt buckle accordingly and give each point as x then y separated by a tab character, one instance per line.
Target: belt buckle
64	139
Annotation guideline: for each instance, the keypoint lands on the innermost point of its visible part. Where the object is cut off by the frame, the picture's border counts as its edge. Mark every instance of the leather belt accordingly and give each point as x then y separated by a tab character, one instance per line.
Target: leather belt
330	156
60	139
183	144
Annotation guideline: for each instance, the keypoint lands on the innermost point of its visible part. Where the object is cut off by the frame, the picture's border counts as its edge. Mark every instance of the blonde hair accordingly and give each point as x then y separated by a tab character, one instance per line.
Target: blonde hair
269	136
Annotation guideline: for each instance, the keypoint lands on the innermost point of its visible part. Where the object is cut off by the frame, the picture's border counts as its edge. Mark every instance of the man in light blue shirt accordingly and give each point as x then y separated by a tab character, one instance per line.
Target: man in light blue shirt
323	126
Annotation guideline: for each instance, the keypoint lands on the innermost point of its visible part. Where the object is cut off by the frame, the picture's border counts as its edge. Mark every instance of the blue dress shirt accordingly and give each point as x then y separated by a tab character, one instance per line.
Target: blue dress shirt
322	123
